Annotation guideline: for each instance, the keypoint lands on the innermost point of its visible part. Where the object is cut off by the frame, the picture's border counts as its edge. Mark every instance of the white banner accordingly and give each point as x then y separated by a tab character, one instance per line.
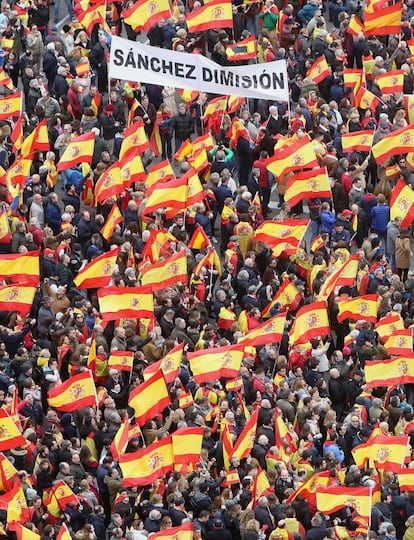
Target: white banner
133	61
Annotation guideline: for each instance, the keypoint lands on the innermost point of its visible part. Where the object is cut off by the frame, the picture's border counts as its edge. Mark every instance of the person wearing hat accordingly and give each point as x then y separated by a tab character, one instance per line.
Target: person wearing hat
48	267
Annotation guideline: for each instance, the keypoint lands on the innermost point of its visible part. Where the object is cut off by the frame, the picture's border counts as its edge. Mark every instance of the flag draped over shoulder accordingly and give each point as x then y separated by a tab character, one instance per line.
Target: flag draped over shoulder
149	398
209	364
79	150
359	308
128	302
214	14
165	273
147	465
311	322
75	393
389	372
97	273
402	203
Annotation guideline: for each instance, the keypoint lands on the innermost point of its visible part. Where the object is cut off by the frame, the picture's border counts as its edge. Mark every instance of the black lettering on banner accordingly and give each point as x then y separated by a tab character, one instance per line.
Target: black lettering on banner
155	64
246	81
143	61
179	70
130	60
226	77
207	74
189	73
278	81
265	81
167	67
118	57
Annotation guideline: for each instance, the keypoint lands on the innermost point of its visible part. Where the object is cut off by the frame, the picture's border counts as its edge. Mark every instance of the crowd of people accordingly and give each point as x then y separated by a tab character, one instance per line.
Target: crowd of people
317	388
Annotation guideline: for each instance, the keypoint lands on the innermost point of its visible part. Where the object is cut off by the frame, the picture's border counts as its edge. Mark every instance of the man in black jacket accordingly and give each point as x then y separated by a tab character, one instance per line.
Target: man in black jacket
182	125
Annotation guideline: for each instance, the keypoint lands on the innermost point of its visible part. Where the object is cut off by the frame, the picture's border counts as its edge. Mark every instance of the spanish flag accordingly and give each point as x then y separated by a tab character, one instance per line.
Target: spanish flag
400	343
125	302
149	398
270	331
245	441
17	297
91	16
144	14
10	435
83	68
242	50
351	77
234	103
182	532
79	150
184	150
97	273
357	140
232	478
120	441
235	131
74	394
155	139
409	107
211	260
96	103
5	80
8	473
383	22
292	157
308	488
23	267
188	96
169	365
227	446
205	142
64	495
37	140
388	325
316	244
64	533
397	142
198	161
22	533
402	203
319	70
332	498
384	452
5	234
389	372
359	308
165	273
158	241
186	444
392	171
405	479
109	184
185	399
159	173
210	364
121	360
311	322
147	465
16	135
215	106
390	82
14	502
135	139
313	184
215	14
115	218
18	173
199	240
345	275
10	106
261	487
234	385
364	99
273	233
170	195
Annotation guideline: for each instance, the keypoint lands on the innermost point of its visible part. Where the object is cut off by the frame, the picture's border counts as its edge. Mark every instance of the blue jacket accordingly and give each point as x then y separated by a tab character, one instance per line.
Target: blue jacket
53	217
380	216
328	220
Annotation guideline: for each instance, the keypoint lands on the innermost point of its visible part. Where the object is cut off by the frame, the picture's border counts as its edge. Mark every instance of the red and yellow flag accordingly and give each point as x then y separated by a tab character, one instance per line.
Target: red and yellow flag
186	444
242	50
169	365
76	393
288	295
308	488
97	273
388	325
37	140
20	266
359	308
319	70
64	495
79	150
364	99
147	465
245	441
165	273
121	360
215	106
199	239
149	398
210	260
274	233
109	184
22	533
10	435
389	372
357	140
409	106
63	533
397	142
235	131
383	452
182	532
5	234
390	82
8	473
120	441
383	22
215	14
311	322
351	77
261	487
210	364
313	184
91	16
10	106
127	302
402	203
135	139
332	498
292	157
159	173
14	502
144	14
115	218
345	275
400	343
17	297
405	479
270	331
